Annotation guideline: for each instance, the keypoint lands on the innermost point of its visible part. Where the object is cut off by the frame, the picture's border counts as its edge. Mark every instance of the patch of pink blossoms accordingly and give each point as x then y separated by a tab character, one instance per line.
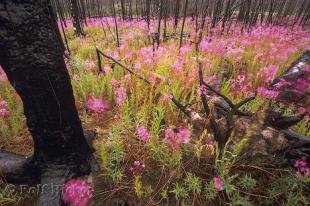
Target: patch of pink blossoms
267	74
218	183
76	192
136	167
177	136
4	111
143	134
267	93
302	167
240	85
97	105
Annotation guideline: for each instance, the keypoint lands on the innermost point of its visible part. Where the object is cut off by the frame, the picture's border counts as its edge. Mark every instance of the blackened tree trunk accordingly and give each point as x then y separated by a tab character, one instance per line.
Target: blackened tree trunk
76	18
123	10
183	23
176	13
32	57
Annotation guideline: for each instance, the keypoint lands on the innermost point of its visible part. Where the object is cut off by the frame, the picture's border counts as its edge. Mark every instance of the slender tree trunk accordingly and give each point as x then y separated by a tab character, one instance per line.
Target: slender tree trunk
159	22
115	22
123	10
76	18
183	23
148	13
33	62
176	13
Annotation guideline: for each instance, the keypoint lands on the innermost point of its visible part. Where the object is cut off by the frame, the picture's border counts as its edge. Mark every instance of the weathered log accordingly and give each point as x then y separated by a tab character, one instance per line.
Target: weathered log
289	92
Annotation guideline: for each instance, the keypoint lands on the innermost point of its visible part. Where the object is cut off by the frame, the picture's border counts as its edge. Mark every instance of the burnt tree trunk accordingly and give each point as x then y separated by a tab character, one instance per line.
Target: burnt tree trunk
31	56
76	18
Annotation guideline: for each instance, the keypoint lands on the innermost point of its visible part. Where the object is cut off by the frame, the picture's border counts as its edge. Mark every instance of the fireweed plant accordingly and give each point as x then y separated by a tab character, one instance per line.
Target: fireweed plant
149	152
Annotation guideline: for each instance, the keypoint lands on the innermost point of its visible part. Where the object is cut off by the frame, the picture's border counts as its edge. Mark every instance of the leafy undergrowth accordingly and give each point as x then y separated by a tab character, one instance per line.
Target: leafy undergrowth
149	153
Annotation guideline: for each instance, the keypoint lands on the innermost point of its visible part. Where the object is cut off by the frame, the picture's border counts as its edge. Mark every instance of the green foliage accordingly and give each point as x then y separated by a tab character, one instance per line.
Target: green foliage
247	182
289	190
112	154
157	121
210	191
13	125
193	183
179	191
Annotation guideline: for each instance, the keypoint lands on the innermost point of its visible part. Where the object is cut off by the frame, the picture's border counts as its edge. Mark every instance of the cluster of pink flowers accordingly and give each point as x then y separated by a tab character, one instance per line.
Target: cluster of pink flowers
302	167
177	136
267	93
90	65
77	192
204	45
4	112
137	167
143	134
240	85
178	65
185	49
302	85
167	97
120	92
107	68
76	77
267	74
282	84
202	90
121	95
97	105
218	183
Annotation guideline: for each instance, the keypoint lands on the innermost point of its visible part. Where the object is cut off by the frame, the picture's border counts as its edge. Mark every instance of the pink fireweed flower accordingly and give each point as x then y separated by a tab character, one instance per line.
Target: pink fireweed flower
240	85
143	134
107	68
127	77
137	66
267	74
168	97
202	90
302	85
185	49
121	95
211	79
204	45
302	167
264	92
282	83
90	65
136	167
3	104
76	192
115	83
66	53
177	136
178	65
97	105
218	183
301	110
76	77
4	112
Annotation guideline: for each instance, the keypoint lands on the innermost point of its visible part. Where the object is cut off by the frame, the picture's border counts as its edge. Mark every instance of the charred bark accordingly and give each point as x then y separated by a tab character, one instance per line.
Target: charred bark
76	18
31	56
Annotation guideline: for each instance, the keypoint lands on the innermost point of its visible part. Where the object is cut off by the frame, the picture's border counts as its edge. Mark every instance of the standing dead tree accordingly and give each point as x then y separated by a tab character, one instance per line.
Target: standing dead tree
34	64
75	13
